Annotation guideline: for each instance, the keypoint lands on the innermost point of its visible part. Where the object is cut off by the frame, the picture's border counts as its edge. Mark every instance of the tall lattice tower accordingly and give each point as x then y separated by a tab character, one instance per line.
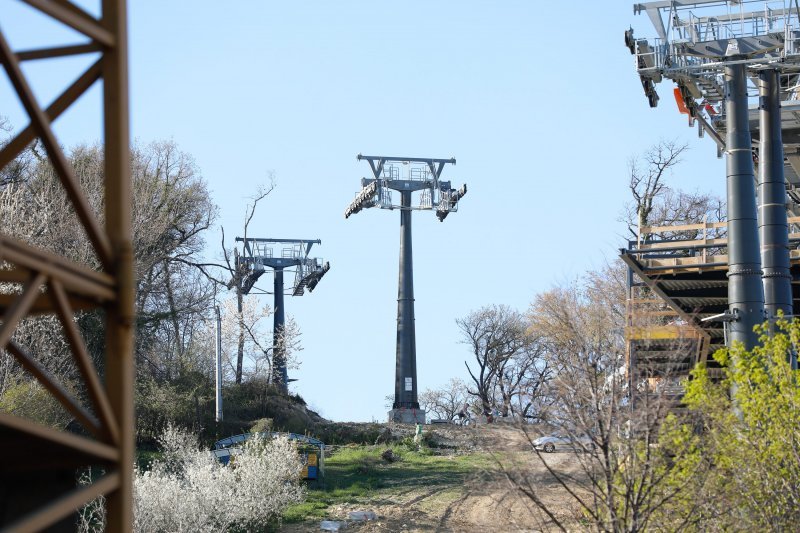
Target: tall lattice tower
37	463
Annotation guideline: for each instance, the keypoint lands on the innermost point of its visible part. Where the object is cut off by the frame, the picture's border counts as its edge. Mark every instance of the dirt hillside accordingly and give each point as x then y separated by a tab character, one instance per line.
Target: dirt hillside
485	502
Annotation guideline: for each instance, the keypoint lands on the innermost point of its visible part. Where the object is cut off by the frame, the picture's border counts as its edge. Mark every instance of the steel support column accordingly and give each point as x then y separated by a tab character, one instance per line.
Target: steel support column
280	376
405	381
745	291
120	364
772	220
772	223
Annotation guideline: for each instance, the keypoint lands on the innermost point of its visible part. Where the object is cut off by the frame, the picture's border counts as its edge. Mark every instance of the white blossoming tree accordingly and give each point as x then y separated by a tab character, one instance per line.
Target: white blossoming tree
189	490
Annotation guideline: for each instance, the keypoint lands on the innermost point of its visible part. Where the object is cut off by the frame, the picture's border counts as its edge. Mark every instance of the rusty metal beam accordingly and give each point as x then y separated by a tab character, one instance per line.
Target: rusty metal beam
53	284
49	382
58	51
102	452
59	105
64	506
41	125
120	314
76	278
42	304
84	362
77	19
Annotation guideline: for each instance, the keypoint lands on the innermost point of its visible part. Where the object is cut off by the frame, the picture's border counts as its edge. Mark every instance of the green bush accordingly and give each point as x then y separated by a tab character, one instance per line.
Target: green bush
742	472
28	399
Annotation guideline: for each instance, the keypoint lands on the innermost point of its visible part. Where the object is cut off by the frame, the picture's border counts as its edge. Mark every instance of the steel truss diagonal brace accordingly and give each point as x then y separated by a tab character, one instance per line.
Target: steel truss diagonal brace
42	126
44	282
66	505
70	15
84	362
59	105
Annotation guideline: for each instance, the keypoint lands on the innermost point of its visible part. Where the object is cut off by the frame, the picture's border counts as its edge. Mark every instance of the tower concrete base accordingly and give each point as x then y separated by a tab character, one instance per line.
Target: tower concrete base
407	416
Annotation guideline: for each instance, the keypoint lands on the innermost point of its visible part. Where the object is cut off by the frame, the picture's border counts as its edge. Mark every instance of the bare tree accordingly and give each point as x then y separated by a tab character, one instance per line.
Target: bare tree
447	402
520	379
259	343
625	478
654	203
172	204
647	181
523	385
238	272
505	355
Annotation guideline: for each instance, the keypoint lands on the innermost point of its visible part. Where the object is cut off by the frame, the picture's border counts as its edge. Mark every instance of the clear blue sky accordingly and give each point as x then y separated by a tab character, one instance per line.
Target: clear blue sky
538	102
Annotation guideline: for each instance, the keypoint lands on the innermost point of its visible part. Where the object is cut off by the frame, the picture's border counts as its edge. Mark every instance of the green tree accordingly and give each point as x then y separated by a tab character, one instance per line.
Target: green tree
748	429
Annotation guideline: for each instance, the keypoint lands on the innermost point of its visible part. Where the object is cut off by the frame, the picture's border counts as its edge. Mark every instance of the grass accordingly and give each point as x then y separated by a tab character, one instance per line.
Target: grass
145	457
358	474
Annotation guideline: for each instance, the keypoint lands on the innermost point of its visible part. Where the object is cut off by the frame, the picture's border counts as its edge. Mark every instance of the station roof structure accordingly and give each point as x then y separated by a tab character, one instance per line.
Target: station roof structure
692	43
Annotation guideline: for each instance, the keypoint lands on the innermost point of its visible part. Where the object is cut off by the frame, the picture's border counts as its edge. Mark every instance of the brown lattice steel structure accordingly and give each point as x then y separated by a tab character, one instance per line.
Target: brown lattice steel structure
37	463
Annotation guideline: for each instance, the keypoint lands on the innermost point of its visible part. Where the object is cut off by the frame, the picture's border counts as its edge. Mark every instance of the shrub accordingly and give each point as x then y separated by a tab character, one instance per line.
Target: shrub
28	399
744	435
189	490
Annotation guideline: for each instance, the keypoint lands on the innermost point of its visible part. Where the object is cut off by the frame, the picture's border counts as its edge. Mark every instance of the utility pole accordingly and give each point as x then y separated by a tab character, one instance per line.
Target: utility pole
218	365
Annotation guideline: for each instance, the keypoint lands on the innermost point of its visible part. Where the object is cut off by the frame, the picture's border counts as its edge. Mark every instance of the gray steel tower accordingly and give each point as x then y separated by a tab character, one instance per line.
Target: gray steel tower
773	221
420	174
258	254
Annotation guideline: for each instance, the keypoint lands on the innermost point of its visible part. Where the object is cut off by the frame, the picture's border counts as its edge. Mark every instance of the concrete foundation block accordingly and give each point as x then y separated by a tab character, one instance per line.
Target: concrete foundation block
407	416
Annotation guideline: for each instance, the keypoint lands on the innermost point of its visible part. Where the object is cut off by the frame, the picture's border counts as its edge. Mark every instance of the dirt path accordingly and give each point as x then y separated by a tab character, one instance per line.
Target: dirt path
486	502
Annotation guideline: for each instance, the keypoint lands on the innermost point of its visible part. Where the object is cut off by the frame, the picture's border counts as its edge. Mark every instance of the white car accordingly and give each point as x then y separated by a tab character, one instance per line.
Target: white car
562	441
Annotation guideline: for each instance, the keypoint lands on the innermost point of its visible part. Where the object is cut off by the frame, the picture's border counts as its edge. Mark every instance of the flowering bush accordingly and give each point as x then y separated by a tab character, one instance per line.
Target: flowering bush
189	490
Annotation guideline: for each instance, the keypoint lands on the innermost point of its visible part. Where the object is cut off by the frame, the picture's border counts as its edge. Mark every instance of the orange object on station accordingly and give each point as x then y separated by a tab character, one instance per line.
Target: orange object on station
681	103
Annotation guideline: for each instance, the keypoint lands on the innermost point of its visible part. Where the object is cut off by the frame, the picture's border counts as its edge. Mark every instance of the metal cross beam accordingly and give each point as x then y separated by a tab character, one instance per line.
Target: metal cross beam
248	240
413	174
376	163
